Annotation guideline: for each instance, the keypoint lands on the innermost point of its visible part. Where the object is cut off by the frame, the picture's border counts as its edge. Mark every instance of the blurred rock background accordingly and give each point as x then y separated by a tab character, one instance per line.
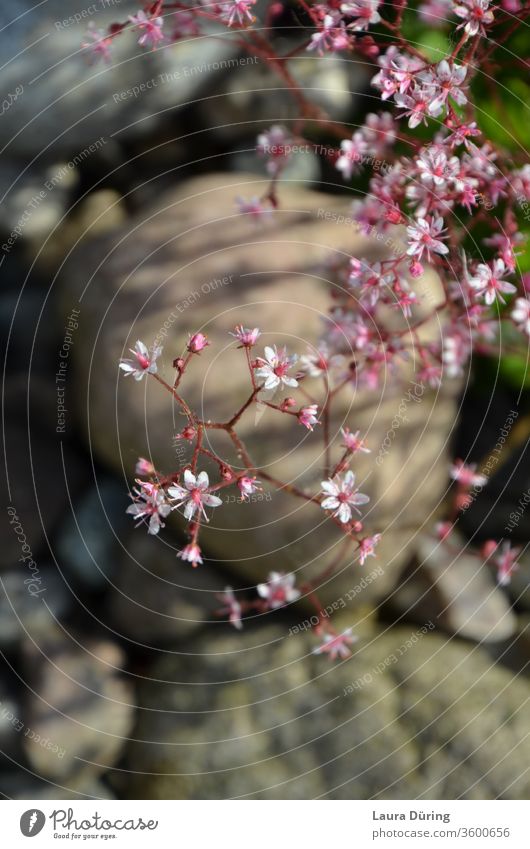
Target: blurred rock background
118	678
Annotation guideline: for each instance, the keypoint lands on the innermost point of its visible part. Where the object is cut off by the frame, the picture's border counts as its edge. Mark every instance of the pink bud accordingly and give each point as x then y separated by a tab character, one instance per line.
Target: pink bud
357	527
416	268
188	432
178	363
287	403
197	343
488	548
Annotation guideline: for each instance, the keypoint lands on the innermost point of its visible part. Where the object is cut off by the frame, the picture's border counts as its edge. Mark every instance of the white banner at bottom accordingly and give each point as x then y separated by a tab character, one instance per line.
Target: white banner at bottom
266	824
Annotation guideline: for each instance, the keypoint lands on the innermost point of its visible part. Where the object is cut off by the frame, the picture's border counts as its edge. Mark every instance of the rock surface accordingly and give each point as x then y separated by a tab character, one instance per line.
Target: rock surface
267	719
79	709
190	263
455	589
153	601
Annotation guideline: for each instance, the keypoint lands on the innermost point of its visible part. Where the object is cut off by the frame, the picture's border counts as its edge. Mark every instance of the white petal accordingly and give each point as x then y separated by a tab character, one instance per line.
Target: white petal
211	500
190	481
203	481
344	513
330	503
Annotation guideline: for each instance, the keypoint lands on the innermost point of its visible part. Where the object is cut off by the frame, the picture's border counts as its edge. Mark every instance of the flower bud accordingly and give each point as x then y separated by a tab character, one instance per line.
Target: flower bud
197	343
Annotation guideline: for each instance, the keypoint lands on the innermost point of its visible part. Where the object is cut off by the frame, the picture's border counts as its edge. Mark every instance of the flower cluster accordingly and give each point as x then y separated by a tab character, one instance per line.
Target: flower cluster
438	193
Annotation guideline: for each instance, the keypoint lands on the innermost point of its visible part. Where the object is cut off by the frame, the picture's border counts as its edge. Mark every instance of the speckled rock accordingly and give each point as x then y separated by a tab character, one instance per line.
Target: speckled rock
409	715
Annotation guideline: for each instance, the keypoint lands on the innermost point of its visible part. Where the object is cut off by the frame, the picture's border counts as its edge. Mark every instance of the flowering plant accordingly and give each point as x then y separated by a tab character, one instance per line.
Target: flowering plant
444	191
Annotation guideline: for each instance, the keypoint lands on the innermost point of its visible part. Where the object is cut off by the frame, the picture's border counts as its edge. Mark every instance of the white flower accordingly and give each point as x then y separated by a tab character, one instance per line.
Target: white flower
337	645
149	503
342	497
278	590
274	366
143	362
487	280
521	315
422	236
194	494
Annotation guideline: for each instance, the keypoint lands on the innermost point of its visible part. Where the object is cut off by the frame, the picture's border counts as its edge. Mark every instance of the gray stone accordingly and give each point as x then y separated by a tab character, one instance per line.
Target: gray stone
154	600
30	600
455	589
79	709
67	104
262	717
88	544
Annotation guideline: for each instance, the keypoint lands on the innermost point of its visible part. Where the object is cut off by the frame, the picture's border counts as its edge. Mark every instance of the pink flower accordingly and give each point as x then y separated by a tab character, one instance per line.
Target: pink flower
248	338
487	280
254	208
506	562
352	153
364	10
521	314
319	362
477	15
274	368
435	12
248	486
278	590
337	645
143	362
149	504
466	475
342	497
367	547
238	12
352	441
144	467
308	416
192	553
274	144
100	45
197	343
150	27
233	608
446	81
194	494
422	236
416	106
332	35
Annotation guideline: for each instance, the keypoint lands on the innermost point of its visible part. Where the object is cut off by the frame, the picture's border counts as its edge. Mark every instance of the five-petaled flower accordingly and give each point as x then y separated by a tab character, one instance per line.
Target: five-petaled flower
352	441
278	590
144	362
423	236
232	608
487	281
247	336
99	47
521	314
149	504
506	562
194	494
248	486
274	368
150	27
192	553
238	12
342	497
308	416
367	547
337	645
466	475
